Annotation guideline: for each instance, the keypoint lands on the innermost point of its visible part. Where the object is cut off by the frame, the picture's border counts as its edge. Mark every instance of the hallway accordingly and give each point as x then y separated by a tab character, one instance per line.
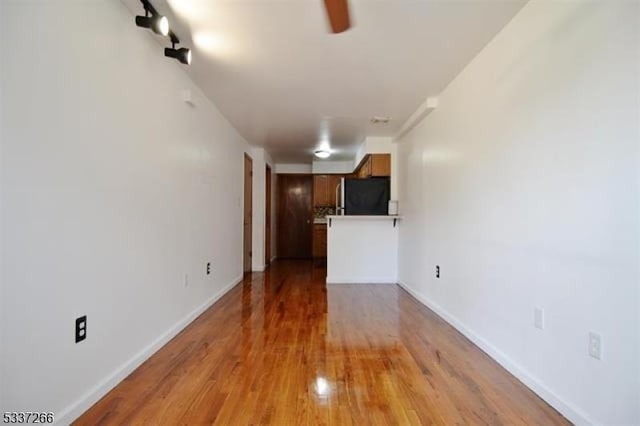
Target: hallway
283	348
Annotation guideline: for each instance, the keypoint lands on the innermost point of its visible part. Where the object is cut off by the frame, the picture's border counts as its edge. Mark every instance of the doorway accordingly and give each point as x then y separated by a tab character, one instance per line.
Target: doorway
294	215
267	219
248	211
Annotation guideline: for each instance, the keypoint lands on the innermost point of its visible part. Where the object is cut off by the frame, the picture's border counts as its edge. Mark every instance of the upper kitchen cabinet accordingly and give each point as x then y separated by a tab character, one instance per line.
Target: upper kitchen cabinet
380	165
364	171
324	190
321	193
374	165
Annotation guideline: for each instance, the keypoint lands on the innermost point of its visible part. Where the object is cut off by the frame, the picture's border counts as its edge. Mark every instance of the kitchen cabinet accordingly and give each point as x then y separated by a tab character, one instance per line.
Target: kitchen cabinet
380	165
321	191
365	169
374	165
319	240
324	190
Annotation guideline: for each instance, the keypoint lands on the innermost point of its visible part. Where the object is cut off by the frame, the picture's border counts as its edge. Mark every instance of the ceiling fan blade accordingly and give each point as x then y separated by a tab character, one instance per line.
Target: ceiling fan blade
338	12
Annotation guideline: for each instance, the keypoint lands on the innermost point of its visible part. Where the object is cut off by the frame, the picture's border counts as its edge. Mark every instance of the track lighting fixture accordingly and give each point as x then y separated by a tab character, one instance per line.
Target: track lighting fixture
183	54
160	25
152	19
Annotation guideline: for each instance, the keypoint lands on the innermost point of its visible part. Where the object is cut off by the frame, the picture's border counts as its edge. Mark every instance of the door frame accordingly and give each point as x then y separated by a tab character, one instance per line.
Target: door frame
268	215
247	211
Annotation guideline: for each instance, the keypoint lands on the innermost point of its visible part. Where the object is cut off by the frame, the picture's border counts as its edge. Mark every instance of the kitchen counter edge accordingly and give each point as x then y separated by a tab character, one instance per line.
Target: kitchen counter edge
363	217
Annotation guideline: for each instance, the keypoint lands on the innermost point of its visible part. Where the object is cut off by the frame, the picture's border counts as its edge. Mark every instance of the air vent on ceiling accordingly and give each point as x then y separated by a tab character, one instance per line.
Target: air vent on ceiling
380	120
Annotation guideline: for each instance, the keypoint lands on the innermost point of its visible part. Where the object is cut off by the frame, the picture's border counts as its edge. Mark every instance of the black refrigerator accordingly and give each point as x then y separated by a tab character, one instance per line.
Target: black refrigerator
366	196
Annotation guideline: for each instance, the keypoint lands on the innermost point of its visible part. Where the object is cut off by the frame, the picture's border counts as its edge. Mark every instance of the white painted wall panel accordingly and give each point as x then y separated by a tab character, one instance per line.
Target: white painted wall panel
524	186
112	190
362	250
293	168
320	167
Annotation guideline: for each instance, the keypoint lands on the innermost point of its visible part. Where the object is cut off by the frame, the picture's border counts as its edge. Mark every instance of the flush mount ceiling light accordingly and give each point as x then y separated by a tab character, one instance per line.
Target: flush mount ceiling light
322	153
152	19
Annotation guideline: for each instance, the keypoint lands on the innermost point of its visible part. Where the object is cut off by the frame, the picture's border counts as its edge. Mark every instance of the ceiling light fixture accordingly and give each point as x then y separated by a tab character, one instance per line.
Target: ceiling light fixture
322	153
152	19
183	54
160	25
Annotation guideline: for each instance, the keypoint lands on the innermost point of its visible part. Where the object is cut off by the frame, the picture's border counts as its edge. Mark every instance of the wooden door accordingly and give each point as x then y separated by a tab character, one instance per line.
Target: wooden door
267	219
294	215
248	210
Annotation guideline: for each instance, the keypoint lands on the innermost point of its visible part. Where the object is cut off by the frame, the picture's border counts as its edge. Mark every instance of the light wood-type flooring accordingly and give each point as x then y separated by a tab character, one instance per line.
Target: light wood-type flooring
283	348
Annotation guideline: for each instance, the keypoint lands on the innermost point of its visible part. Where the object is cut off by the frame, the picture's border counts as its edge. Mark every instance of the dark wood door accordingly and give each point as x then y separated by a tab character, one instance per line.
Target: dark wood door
294	216
248	212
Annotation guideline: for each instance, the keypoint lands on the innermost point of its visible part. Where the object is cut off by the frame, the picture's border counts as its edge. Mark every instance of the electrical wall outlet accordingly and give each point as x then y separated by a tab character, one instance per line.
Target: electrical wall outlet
595	345
538	318
208	268
81	328
437	271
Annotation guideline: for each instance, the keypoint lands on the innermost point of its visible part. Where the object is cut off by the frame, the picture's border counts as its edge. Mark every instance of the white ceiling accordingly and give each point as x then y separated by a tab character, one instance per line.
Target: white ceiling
286	83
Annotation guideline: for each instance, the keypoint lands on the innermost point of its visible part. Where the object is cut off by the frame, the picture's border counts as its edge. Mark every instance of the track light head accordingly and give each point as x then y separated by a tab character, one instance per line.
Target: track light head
159	24
183	54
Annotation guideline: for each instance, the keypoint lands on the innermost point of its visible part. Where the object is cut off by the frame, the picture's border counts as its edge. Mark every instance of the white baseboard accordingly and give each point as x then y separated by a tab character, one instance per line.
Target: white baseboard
572	413
377	280
73	411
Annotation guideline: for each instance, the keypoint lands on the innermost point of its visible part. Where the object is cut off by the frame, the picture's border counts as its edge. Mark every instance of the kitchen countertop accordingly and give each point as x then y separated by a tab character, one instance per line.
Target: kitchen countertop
320	220
363	217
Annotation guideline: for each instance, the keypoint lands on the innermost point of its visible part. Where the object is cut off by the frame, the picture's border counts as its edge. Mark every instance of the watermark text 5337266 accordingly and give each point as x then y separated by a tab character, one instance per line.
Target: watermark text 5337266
27	417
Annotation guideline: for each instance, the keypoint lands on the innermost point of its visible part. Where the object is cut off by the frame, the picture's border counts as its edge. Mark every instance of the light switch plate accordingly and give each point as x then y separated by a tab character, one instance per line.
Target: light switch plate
595	345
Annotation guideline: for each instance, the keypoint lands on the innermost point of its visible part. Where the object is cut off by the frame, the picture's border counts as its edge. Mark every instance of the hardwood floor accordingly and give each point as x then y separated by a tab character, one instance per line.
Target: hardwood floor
283	348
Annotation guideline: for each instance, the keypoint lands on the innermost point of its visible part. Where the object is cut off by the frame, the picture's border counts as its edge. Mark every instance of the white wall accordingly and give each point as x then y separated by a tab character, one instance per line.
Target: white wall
112	190
362	250
373	145
293	168
324	166
260	159
524	187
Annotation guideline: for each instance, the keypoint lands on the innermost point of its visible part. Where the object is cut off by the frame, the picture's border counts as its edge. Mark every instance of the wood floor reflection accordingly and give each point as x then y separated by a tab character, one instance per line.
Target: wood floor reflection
282	348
